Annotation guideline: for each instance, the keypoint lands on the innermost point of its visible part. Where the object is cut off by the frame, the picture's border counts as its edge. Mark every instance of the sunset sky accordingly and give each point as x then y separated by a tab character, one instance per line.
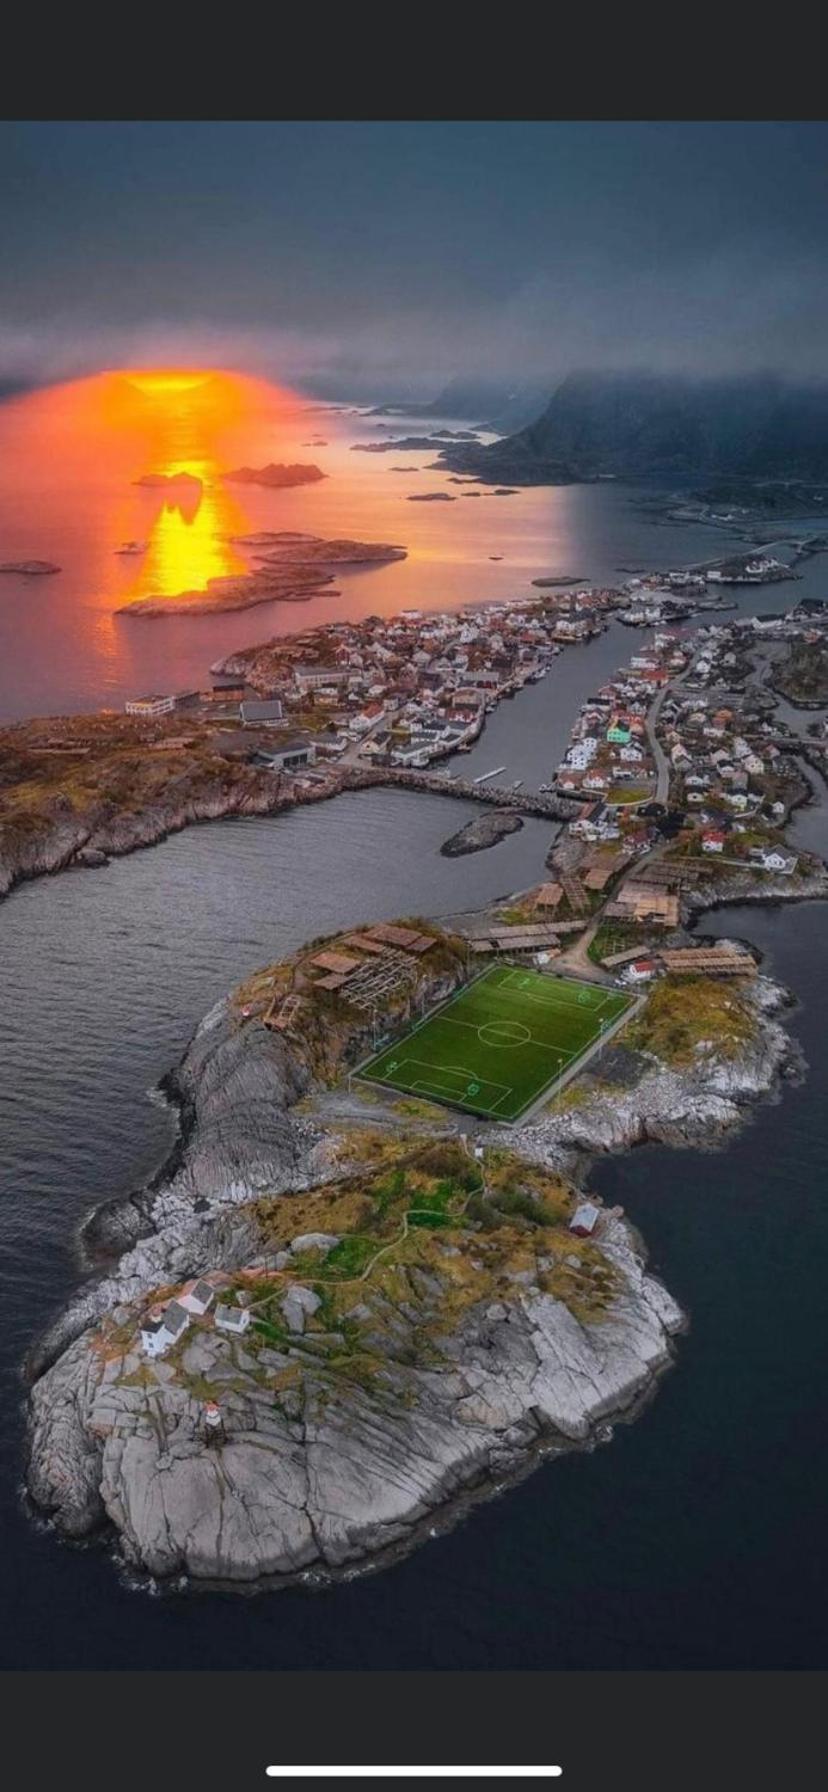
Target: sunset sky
401	253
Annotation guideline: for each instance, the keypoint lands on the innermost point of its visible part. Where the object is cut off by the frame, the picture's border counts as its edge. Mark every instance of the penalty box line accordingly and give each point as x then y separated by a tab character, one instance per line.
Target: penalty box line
439	1094
451	1070
556	1001
552	997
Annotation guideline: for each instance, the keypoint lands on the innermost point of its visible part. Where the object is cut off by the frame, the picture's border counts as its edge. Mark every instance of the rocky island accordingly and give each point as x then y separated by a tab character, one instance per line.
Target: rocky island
483	831
290	571
234	591
408	444
32	568
372	1323
277	476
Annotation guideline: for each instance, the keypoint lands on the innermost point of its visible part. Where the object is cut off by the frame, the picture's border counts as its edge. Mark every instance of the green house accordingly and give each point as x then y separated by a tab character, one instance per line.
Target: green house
619	734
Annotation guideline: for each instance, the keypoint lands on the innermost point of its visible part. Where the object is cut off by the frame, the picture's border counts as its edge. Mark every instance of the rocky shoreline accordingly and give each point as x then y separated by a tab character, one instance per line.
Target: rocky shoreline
354	1469
65	838
87	840
356	1474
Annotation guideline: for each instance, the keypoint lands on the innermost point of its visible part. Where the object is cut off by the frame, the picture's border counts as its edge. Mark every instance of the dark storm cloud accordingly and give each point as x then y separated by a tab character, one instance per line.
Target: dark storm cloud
402	253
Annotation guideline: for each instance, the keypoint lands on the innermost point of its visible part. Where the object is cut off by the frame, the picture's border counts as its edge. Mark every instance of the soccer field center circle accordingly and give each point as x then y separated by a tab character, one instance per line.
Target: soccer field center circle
504	1033
502	1041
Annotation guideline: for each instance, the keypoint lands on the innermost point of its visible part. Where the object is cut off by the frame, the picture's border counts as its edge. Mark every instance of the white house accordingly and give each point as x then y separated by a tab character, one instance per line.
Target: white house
582	752
771	858
197	1298
159	1331
150	706
585	1219
232	1319
642	970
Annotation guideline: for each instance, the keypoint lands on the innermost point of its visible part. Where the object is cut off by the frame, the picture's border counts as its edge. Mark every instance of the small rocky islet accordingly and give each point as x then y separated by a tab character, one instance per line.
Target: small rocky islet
30	568
278	476
481	832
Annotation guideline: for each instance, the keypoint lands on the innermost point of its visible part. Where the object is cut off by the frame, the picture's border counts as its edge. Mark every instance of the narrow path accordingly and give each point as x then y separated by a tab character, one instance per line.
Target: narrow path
576	957
662	763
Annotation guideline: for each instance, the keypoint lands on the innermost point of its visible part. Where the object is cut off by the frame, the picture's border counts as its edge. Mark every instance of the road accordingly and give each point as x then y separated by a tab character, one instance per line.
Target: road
576	958
351	754
662	763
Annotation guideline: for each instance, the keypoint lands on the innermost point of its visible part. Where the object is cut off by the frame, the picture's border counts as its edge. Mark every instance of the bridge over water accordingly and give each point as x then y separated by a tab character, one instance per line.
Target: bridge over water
523	802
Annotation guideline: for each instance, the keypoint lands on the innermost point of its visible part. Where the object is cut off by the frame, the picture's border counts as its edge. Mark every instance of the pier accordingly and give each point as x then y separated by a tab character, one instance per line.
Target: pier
523	802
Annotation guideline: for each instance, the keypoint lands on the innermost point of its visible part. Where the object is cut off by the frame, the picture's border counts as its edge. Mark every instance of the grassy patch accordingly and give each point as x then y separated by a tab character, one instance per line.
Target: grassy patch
349	1257
685	1014
420	1245
629	793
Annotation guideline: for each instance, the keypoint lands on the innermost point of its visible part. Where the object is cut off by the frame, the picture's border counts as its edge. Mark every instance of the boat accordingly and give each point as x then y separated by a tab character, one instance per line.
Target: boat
132	547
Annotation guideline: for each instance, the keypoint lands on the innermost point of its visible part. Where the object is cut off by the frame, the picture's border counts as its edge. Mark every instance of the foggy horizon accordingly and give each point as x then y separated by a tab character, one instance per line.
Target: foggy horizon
386	259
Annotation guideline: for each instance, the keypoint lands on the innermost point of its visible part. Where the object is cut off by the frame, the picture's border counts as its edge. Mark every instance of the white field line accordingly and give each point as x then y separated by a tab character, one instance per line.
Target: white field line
512	1045
505	1045
555	993
566	1007
499	1044
458	1070
552	996
443	1094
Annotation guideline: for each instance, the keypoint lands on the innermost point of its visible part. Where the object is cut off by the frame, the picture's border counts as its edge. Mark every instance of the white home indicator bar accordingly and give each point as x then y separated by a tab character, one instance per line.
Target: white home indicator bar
414	1773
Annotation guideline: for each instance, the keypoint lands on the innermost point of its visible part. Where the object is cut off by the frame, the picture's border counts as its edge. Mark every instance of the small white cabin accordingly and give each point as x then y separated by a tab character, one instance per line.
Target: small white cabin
159	1332
232	1319
197	1298
585	1219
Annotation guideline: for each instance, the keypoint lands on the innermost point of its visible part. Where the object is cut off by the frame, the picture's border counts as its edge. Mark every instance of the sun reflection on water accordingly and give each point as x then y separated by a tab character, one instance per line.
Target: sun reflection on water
187	543
181	417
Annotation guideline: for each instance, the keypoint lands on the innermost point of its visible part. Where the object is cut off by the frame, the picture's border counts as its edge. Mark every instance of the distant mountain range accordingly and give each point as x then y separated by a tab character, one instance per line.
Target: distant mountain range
504	405
634	425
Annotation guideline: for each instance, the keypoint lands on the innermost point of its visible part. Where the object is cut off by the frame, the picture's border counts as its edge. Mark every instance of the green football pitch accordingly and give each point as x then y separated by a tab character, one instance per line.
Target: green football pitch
501	1042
